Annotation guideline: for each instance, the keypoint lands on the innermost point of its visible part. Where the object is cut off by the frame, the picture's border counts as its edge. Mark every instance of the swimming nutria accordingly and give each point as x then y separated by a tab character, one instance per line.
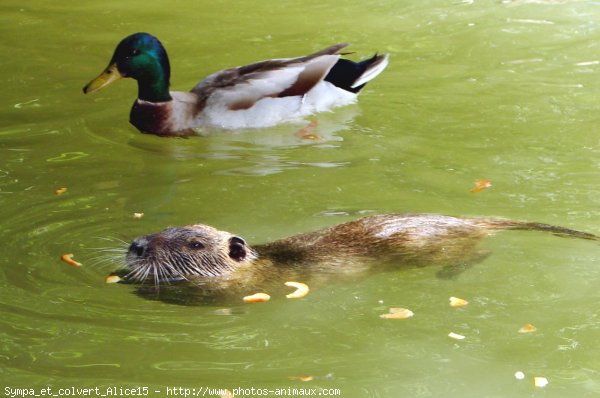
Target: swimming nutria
221	263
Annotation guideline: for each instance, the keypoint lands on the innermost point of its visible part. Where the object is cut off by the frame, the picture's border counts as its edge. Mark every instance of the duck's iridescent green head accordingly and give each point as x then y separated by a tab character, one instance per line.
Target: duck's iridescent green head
142	57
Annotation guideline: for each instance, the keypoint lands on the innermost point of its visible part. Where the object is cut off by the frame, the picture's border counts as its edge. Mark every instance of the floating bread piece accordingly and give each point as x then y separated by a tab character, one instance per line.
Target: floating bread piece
137	216
528	328
301	290
456	336
480	185
458	302
540	381
60	191
112	279
67	258
301	378
398	313
519	375
257	298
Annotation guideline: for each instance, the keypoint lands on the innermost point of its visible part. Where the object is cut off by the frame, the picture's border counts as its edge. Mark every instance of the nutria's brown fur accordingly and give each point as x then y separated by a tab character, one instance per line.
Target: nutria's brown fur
220	262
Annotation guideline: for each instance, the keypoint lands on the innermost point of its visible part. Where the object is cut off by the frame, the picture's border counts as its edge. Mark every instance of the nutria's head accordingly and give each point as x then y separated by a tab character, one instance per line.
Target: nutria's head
182	252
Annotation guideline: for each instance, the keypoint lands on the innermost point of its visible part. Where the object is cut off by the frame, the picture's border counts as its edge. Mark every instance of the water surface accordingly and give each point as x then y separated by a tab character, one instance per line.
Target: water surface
502	90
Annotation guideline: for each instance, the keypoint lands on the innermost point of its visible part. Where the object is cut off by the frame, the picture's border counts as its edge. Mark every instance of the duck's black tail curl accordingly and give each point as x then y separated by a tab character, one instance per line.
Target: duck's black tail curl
352	76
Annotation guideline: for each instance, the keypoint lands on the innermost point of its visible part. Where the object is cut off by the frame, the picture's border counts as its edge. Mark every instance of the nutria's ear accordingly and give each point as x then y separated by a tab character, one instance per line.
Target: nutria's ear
237	248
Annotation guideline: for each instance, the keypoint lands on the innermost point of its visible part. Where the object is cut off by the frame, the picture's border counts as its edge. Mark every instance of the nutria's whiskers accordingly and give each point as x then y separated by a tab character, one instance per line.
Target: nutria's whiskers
163	273
113	239
139	272
105	260
106	256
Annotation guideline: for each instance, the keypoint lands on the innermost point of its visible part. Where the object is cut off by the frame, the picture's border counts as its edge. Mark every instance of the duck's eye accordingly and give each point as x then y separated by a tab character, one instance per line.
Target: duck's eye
135	52
196	245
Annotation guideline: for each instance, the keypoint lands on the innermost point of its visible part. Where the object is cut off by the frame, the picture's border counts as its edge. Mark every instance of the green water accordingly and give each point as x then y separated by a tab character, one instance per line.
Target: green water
503	90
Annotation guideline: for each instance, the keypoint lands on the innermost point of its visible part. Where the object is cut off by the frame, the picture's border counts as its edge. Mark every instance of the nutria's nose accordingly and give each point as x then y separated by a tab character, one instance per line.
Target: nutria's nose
138	247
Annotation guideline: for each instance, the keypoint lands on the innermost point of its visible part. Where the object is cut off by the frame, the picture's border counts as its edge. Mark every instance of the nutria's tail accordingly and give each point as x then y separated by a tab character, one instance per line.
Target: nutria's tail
534	226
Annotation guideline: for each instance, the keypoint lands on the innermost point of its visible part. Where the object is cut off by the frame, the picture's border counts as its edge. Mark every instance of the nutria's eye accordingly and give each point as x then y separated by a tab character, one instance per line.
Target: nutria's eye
196	245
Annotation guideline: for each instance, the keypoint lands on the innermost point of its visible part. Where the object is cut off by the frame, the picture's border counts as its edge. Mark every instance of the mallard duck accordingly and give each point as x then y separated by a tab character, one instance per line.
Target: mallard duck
262	94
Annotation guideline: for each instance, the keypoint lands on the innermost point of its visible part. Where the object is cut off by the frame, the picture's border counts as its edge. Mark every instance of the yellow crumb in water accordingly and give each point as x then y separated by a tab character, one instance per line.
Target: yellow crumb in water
301	378
257	298
519	375
458	302
60	191
112	279
301	290
540	381
456	336
68	258
398	313
137	216
480	185
528	328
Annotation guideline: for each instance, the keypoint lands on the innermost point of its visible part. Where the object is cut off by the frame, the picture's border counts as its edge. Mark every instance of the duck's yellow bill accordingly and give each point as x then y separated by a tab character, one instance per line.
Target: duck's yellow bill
110	74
